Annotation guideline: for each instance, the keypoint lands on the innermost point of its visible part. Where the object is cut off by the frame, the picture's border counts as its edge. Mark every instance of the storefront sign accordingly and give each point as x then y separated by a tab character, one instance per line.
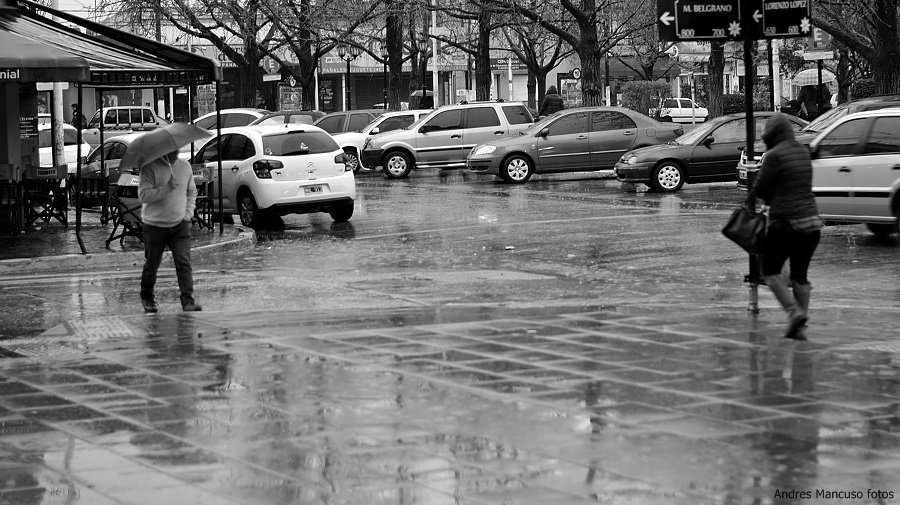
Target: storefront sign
9	74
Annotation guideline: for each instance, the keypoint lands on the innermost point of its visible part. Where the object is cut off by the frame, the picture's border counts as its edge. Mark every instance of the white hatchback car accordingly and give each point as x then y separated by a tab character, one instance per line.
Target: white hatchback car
352	142
856	170
279	169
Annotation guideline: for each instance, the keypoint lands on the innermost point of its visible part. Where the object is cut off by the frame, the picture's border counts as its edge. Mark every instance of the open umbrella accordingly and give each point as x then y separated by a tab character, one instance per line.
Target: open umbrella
159	142
810	77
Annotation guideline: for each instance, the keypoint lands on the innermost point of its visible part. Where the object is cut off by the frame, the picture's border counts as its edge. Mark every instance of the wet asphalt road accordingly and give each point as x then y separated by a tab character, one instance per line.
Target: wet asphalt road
461	341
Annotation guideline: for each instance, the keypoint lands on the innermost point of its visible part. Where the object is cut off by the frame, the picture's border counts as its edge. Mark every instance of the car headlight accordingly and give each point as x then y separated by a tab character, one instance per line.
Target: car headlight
367	144
631	160
483	150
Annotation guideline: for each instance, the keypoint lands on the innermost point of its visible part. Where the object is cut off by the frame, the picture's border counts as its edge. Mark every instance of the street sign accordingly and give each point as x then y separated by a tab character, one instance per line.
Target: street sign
785	18
699	19
682	20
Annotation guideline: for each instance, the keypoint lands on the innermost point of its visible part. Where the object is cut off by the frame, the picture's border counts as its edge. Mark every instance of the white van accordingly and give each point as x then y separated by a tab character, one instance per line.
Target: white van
121	121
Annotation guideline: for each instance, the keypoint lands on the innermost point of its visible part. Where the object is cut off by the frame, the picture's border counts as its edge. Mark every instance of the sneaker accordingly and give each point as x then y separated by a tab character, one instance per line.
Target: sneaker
191	307
150	306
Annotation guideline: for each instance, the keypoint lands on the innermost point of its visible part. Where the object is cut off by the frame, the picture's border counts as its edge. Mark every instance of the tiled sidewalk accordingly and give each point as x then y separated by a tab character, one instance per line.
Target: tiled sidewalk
411	406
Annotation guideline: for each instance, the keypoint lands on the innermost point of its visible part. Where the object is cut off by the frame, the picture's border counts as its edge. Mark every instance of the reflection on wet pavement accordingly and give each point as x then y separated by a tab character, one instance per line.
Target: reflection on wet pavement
420	407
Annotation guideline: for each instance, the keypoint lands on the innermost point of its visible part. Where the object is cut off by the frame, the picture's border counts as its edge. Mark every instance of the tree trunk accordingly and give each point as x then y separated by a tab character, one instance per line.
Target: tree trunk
394	31
843	76
886	63
716	80
532	88
483	78
591	87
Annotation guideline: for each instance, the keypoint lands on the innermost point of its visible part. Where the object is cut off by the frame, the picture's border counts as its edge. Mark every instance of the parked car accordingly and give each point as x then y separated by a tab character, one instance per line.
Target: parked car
347	121
707	153
230	118
121	120
279	170
443	138
572	140
289	117
70	146
352	142
856	170
815	127
680	110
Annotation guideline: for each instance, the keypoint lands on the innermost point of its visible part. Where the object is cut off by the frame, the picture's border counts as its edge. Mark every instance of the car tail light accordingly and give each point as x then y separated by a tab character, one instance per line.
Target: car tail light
263	168
342	158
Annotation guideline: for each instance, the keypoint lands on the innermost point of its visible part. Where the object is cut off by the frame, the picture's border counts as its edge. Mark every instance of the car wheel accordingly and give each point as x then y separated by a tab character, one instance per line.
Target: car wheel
667	176
885	229
352	160
343	213
247	209
397	164
516	169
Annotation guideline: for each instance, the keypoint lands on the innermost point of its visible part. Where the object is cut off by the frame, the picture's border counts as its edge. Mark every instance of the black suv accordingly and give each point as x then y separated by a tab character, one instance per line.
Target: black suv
810	131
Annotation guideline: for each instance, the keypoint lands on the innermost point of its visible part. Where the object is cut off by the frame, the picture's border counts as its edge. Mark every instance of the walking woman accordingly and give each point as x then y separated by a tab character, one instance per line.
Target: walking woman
784	183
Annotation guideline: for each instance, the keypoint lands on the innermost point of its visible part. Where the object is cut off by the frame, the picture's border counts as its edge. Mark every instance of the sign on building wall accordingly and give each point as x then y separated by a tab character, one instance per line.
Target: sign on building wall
290	97
206	99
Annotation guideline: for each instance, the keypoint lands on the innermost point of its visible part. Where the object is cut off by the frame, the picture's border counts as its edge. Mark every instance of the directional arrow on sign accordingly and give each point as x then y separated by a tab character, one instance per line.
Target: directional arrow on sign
666	18
757	15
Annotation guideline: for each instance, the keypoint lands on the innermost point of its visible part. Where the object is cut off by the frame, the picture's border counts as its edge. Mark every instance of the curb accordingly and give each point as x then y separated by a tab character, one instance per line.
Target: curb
242	238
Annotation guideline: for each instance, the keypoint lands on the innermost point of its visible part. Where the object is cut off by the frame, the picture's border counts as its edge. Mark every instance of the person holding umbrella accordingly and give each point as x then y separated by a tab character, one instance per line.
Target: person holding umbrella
168	197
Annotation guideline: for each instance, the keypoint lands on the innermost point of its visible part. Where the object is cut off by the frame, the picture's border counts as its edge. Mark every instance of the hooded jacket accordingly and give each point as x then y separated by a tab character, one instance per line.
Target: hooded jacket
552	102
784	180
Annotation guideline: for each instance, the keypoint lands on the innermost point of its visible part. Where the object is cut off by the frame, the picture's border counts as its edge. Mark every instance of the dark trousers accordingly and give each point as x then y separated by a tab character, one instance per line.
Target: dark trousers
178	239
783	243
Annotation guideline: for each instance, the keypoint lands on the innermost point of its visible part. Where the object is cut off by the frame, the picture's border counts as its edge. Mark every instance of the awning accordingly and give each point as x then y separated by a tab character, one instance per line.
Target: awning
23	60
115	58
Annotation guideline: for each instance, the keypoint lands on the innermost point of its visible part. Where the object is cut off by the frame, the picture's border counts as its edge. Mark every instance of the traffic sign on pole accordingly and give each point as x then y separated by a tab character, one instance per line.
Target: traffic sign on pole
785	18
681	20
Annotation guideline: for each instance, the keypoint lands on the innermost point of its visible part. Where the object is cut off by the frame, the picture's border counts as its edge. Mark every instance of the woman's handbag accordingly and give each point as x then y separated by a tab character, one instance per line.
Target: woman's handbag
746	228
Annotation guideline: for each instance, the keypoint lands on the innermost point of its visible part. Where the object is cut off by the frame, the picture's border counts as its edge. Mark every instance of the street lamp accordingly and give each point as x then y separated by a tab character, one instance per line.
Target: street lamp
384	56
423	49
347	52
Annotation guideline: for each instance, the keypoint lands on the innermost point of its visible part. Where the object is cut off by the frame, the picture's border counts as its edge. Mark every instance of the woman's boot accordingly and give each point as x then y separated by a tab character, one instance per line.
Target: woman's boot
796	315
801	299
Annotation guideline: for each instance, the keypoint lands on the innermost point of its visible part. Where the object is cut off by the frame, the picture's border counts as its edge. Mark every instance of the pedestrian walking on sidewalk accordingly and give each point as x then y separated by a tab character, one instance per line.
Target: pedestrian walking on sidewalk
784	183
551	103
168	198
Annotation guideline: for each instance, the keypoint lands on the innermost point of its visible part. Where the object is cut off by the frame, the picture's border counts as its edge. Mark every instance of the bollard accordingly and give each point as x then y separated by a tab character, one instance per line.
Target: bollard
753	278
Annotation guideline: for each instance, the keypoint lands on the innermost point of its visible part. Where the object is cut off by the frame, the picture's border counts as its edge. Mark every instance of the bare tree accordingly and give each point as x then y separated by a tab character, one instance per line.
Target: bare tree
646	50
871	28
600	25
536	48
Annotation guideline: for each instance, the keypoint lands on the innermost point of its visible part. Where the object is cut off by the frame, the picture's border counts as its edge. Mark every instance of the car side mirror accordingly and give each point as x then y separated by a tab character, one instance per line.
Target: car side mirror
708	140
375	131
544	132
425	129
813	152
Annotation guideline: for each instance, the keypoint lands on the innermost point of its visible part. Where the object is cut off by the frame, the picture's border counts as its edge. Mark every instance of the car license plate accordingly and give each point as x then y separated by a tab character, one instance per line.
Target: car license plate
311	190
742	174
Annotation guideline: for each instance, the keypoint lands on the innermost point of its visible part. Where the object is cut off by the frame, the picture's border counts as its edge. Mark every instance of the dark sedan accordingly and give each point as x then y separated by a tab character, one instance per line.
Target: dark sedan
708	153
572	140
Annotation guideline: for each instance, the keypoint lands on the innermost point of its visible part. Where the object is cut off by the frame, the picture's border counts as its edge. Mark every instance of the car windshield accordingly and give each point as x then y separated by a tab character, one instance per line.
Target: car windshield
538	126
45	137
829	117
694	136
298	142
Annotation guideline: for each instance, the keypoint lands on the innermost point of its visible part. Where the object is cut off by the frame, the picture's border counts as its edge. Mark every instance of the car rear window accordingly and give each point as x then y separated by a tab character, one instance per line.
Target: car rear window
517	115
298	142
70	137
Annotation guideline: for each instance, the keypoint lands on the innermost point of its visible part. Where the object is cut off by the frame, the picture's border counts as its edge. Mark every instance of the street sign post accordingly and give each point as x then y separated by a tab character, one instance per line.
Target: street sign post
683	20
